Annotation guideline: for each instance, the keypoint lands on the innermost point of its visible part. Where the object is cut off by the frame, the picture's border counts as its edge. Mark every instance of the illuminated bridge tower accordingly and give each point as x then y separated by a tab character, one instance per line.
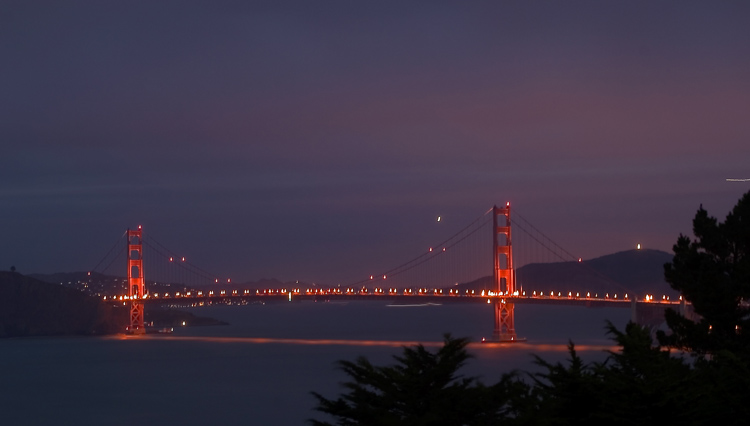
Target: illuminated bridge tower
505	277
136	283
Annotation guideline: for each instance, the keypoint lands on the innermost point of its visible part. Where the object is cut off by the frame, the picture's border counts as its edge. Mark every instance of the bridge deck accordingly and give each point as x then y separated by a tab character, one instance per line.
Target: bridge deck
400	299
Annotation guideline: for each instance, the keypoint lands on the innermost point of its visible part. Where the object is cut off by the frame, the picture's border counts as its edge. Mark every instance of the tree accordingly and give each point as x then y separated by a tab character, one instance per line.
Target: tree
13	268
561	392
646	383
712	272
639	384
422	388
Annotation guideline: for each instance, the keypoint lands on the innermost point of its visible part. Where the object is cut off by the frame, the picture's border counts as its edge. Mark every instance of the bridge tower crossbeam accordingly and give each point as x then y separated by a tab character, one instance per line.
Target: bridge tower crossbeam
505	277
136	282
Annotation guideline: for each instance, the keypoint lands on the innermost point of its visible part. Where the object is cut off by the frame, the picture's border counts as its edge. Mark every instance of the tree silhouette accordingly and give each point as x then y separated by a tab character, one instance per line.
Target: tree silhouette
713	273
422	388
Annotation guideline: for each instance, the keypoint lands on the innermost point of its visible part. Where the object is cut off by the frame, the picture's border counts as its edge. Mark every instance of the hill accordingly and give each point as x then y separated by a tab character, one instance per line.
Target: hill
30	307
636	272
97	284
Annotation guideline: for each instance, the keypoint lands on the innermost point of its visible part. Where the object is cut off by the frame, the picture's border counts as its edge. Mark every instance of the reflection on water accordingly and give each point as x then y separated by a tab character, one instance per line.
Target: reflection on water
505	346
261	368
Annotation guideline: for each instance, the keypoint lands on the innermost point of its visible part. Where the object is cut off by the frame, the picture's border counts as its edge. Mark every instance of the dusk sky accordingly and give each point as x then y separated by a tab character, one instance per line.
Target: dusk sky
319	140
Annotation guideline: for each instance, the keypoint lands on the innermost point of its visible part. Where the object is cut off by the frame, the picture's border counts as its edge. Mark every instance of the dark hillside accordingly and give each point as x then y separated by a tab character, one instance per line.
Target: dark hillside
29	307
636	272
97	284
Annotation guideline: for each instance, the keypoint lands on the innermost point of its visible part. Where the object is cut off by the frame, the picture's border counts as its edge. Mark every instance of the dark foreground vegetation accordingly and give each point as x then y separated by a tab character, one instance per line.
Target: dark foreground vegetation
696	373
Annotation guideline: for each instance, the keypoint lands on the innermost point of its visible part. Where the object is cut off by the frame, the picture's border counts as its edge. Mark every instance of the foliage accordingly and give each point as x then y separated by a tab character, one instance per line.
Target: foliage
640	384
713	273
560	392
422	388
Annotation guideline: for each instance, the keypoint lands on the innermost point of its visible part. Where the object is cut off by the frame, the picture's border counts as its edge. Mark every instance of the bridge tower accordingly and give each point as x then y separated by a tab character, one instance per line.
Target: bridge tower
505	277
136	282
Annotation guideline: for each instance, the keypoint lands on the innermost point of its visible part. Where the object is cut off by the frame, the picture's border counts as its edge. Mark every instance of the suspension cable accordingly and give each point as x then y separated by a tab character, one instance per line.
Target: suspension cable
574	258
515	213
413	263
119	241
186	266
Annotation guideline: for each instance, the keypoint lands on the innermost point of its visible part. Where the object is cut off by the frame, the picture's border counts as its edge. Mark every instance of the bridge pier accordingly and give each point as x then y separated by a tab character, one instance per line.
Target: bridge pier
505	329
505	278
648	314
136	282
652	314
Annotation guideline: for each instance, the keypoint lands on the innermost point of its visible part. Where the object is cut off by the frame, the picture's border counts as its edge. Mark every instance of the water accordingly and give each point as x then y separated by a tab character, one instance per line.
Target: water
262	367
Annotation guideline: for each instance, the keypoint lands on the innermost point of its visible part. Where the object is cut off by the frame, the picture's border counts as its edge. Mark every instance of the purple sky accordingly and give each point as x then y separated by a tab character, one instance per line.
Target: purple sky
319	140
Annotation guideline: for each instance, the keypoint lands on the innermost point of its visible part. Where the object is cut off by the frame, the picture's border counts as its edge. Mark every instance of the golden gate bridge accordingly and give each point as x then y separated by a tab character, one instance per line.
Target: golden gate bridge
484	245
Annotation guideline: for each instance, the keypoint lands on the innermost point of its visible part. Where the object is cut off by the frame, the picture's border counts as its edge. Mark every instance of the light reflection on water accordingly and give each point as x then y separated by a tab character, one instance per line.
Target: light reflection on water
503	346
262	367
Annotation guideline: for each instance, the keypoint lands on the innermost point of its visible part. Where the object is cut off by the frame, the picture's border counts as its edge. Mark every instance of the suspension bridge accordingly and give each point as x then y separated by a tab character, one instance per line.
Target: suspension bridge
477	264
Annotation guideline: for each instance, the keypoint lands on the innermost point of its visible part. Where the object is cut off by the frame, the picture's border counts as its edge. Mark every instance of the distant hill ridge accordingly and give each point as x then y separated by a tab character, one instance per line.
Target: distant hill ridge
98	284
29	307
636	272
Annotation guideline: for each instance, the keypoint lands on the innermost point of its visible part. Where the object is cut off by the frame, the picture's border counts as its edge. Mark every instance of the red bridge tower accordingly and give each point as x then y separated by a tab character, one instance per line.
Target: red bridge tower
505	277
136	283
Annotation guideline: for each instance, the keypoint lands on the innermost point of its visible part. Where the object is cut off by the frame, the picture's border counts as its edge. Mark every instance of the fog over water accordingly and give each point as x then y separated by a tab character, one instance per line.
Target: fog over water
260	369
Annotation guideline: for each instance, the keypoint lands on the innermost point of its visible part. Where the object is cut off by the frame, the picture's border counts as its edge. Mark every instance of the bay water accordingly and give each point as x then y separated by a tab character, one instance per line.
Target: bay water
260	369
